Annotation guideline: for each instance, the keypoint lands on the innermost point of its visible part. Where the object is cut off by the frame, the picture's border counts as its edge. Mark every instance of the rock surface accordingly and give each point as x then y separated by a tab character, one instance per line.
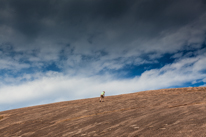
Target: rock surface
157	113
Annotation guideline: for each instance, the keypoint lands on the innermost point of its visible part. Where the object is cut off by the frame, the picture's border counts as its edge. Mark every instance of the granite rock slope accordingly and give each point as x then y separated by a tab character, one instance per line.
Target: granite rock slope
158	113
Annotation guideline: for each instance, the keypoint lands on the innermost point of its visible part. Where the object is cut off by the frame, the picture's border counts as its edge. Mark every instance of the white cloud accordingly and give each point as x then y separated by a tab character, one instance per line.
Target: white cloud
52	86
203	85
11	64
177	55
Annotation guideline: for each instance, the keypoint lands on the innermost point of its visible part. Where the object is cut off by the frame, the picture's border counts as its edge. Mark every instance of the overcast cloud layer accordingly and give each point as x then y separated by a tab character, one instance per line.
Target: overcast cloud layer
57	50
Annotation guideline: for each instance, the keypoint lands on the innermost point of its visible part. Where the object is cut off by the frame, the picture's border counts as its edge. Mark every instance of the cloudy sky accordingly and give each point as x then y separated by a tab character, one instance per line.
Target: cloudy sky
59	50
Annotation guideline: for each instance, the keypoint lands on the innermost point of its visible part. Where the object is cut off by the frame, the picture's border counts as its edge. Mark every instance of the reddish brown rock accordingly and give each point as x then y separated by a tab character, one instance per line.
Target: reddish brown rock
156	113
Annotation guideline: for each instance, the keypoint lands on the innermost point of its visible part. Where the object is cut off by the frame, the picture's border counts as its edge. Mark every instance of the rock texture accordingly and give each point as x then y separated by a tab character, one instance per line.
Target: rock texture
156	113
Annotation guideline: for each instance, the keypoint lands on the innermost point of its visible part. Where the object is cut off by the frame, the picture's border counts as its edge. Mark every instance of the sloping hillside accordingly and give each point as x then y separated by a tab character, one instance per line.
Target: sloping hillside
167	112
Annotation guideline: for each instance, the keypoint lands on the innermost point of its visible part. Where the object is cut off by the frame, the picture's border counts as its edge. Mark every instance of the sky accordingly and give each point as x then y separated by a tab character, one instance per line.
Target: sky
60	50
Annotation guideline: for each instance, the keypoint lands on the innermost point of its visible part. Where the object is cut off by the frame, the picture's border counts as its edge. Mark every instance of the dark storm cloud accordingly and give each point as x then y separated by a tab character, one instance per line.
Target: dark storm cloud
26	16
104	8
158	15
75	17
117	27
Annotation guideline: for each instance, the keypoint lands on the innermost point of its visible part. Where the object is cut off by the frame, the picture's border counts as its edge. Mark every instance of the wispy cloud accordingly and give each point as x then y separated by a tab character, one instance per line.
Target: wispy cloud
53	86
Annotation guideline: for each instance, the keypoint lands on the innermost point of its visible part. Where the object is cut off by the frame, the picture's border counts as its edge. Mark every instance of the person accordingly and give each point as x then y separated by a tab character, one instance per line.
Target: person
102	97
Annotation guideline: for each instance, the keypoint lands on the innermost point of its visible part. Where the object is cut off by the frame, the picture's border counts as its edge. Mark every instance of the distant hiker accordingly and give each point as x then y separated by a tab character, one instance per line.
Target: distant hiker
102	96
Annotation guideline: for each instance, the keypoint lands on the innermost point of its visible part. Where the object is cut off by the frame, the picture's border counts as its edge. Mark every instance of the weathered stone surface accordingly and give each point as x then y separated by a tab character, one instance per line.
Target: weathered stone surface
158	113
